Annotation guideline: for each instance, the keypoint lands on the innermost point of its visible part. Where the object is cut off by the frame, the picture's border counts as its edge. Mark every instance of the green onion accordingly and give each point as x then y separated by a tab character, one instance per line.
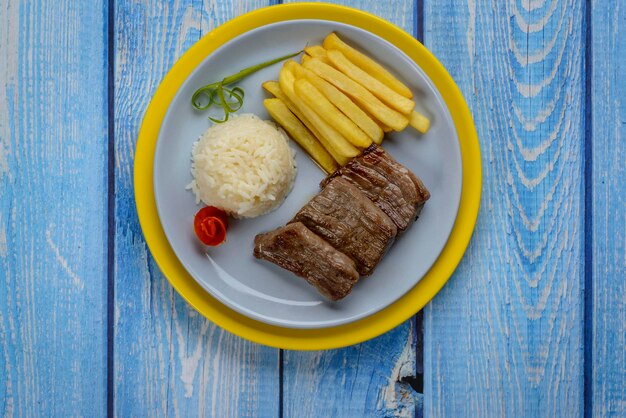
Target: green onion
231	99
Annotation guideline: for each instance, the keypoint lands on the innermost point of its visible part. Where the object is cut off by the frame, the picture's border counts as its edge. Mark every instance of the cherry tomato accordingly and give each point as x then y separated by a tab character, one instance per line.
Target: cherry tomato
210	225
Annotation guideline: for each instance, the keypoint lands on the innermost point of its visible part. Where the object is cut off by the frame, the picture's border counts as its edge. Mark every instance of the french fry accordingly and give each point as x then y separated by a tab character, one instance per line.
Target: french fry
281	114
317	51
385	128
419	122
290	65
274	88
366	63
343	102
305	58
378	89
341	160
329	137
360	94
299	71
329	113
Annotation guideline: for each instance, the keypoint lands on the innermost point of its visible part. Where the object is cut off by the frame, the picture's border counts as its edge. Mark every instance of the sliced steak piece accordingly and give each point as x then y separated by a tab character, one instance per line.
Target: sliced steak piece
350	222
422	192
295	248
387	183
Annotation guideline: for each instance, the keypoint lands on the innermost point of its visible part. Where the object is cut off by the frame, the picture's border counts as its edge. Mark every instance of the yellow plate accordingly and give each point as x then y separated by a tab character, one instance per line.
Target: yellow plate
308	339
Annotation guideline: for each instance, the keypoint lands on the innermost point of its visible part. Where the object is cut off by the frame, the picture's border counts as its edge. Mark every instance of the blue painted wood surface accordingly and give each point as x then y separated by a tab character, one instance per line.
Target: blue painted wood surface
53	200
607	190
506	334
533	323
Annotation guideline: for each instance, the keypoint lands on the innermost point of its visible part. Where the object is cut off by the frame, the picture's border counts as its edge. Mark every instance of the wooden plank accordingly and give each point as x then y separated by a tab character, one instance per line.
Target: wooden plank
608	191
168	359
52	208
505	336
402	14
368	379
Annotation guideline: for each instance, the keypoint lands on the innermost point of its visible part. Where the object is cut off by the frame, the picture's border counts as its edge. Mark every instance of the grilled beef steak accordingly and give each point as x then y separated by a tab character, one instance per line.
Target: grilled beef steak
350	222
387	183
422	192
295	248
346	229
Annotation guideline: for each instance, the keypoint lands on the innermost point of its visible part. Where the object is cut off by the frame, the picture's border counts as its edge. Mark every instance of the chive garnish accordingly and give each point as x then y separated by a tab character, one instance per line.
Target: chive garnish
231	99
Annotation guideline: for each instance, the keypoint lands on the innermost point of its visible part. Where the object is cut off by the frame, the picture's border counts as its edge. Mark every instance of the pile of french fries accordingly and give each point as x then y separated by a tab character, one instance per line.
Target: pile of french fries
339	101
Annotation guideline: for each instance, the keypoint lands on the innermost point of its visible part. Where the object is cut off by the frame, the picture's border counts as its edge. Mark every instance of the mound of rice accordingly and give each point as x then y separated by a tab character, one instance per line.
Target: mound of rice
244	166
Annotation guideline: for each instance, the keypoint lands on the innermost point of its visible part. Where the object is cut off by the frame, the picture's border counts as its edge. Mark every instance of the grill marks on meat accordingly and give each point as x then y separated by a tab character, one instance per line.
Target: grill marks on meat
295	248
422	193
350	222
347	228
387	183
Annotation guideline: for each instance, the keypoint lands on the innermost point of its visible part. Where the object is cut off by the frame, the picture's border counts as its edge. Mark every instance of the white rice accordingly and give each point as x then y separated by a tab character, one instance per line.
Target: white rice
244	166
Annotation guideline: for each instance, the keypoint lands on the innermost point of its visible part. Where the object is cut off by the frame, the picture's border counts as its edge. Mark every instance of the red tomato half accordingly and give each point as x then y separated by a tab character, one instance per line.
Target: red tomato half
210	225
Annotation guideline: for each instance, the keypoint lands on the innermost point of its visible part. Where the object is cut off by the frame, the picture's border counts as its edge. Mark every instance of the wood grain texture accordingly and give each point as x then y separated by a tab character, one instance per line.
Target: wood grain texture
52	209
608	106
170	361
401	13
505	336
366	379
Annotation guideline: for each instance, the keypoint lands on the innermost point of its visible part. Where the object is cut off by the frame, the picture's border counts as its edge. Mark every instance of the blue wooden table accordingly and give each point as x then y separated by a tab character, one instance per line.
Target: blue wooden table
533	322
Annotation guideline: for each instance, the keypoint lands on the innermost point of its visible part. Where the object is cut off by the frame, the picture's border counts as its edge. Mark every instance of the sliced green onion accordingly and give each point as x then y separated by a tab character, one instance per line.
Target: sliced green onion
231	99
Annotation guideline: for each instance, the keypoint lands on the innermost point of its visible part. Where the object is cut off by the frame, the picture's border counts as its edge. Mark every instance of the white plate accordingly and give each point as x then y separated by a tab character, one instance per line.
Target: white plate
260	289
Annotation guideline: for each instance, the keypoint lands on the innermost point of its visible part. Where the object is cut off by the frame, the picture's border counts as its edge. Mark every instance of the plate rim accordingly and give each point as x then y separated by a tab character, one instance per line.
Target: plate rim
308	338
